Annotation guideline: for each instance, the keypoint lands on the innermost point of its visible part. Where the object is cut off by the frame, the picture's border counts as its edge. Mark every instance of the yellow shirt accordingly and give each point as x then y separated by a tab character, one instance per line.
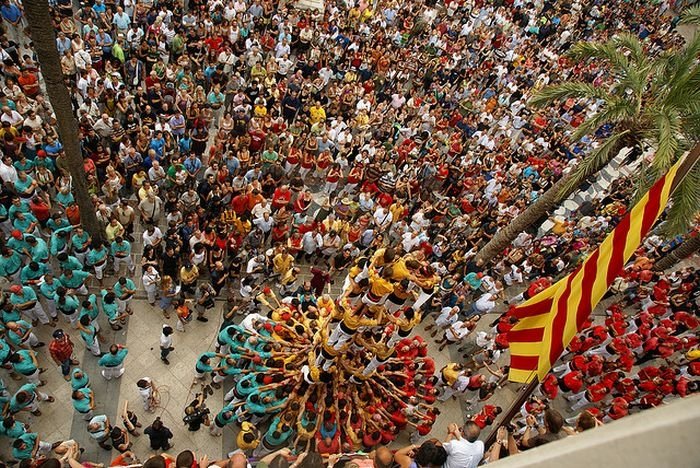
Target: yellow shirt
317	114
247	428
400	271
378	285
188	276
111	231
450	373
282	263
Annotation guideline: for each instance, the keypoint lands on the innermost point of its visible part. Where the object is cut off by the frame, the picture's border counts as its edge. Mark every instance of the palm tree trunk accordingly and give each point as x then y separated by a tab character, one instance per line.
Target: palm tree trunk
685	250
524	220
44	43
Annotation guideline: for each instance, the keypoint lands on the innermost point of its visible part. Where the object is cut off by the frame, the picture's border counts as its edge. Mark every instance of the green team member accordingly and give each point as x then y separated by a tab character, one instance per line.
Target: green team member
32	273
111	309
69	262
24	298
38	249
28	446
28	397
88	332
124	289
79	379
121	252
24	362
26	223
84	402
80	240
97	258
89	307
112	363
10	264
67	304
75	280
18	243
59	240
222	419
48	287
18	206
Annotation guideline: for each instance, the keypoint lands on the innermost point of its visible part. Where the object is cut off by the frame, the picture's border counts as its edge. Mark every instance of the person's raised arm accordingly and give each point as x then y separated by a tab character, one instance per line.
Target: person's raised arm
404	457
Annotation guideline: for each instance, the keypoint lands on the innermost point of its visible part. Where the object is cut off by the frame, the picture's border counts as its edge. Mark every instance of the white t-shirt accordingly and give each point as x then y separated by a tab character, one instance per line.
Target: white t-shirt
463	454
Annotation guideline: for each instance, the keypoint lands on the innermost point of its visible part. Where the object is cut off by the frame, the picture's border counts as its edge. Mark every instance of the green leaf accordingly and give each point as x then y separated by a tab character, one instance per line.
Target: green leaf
685	204
595	161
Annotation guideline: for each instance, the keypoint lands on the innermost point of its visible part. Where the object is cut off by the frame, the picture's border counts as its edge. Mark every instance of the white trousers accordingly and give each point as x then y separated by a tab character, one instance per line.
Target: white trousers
37	313
118	261
93	347
115	372
100	271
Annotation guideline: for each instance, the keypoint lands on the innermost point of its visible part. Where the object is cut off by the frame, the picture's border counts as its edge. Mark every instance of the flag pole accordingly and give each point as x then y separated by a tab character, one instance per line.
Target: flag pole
514	409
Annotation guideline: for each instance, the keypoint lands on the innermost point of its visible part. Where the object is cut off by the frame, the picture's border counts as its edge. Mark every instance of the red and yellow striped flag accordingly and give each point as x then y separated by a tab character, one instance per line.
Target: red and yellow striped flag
550	320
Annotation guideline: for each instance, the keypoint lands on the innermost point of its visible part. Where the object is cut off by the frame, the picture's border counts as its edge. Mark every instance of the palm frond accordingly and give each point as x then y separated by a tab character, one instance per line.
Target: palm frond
617	111
691	15
566	90
681	65
595	161
605	51
631	43
645	177
685	204
666	134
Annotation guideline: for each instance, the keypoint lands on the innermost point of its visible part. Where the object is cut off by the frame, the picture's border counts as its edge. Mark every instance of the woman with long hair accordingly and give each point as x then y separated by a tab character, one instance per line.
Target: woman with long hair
168	291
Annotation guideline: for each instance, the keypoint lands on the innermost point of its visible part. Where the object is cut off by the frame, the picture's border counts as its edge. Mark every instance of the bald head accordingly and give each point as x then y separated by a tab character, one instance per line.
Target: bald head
239	460
383	457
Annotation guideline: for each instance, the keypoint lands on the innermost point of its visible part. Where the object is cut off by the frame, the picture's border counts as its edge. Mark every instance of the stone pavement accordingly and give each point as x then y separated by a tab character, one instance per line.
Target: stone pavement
175	382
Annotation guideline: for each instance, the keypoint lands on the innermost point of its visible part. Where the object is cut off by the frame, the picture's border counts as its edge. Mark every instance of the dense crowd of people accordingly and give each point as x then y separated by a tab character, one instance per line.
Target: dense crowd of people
267	155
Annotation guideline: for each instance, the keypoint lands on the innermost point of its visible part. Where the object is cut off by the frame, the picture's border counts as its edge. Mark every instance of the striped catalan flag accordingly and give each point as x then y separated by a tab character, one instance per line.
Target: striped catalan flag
549	320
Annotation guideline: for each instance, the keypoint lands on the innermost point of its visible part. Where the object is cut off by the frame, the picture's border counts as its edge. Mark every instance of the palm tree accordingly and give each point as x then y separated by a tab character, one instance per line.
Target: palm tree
650	101
44	42
687	248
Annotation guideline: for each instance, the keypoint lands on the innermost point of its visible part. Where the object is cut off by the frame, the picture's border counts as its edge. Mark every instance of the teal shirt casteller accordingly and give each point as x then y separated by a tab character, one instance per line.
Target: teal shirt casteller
10	265
119	290
113	360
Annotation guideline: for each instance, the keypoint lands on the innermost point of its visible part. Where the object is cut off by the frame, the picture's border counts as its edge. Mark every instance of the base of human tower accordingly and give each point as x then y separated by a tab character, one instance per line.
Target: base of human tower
357	371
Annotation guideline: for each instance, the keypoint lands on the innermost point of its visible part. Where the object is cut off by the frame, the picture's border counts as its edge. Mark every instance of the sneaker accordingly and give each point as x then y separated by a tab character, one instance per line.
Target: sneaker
216	385
202	319
165	360
40	344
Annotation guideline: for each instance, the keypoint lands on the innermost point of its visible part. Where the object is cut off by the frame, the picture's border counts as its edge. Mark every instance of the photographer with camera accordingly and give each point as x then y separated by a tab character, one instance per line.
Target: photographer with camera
196	414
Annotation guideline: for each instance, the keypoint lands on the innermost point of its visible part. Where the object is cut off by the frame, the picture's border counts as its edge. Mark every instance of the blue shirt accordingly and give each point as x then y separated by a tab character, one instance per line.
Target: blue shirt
192	165
11	12
28	295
